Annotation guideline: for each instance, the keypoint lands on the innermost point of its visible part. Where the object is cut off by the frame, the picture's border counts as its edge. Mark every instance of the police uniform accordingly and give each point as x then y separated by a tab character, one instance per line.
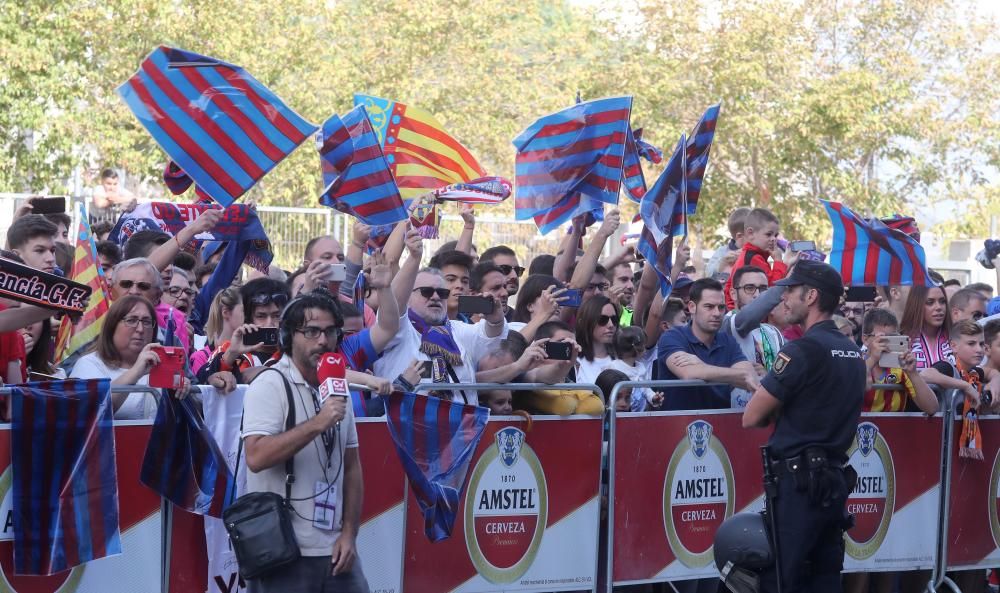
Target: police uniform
820	381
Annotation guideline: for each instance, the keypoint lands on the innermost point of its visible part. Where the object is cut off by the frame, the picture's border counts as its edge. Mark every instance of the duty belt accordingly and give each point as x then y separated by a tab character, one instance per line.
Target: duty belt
812	458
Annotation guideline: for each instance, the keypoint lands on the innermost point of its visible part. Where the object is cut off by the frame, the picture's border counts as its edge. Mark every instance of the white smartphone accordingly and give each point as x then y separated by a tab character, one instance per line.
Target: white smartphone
898	346
336	273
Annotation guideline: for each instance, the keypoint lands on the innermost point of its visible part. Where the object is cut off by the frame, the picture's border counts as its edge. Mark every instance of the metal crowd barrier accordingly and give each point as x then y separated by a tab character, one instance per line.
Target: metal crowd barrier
949	401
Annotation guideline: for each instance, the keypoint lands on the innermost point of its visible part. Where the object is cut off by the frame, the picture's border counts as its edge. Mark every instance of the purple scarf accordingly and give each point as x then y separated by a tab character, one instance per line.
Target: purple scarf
436	341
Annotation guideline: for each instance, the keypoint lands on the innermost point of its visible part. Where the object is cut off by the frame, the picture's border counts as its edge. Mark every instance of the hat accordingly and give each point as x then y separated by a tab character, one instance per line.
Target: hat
816	274
681	283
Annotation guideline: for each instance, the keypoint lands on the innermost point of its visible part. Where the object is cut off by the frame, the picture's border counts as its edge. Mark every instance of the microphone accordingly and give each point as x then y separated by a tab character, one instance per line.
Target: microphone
332	373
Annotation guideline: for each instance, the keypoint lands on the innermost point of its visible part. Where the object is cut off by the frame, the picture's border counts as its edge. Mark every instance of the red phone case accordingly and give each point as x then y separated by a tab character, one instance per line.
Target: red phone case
170	371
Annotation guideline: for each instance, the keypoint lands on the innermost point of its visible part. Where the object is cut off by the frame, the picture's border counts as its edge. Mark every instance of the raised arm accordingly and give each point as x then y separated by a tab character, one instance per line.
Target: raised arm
163	255
647	291
402	284
387	322
464	243
567	252
393	248
588	263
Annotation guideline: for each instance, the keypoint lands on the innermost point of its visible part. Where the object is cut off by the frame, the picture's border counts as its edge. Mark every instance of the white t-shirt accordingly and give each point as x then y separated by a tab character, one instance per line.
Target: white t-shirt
137	406
264	411
588	370
642	371
405	347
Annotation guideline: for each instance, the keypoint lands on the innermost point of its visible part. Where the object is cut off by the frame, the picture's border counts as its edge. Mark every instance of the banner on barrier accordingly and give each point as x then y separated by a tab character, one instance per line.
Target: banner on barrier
679	475
974	522
898	460
138	568
529	518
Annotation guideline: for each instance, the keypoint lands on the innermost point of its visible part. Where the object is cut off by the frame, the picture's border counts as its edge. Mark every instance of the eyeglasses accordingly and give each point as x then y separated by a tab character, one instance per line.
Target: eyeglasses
334	333
601	286
505	269
128	284
176	291
428	291
749	289
134	322
278	298
606	319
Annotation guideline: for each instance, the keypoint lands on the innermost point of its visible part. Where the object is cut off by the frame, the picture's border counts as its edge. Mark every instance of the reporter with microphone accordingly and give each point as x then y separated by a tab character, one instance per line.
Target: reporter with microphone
320	439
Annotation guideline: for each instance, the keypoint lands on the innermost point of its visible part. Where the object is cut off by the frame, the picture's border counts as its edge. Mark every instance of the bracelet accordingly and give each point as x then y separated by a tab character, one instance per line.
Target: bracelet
470	228
360	246
178	241
406	385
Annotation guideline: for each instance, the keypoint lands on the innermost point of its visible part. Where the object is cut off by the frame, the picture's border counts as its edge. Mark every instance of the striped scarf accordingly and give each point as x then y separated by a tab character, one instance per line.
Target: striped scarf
436	341
970	442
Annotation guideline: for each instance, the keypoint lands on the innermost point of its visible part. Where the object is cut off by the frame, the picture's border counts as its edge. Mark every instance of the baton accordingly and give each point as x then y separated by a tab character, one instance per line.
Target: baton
770	494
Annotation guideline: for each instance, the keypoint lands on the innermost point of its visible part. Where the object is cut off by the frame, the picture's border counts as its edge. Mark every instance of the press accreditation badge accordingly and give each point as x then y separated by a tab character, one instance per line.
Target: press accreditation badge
324	506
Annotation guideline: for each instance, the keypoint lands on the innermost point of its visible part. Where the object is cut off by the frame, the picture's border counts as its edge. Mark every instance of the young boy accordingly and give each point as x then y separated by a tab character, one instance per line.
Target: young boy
760	231
969	349
499	401
33	237
991	335
877	324
736	222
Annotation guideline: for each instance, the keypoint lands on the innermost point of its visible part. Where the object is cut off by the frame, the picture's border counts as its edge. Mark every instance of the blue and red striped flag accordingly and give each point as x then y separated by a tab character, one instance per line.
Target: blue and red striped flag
183	462
435	440
664	215
699	144
220	125
65	485
869	253
355	173
570	162
636	149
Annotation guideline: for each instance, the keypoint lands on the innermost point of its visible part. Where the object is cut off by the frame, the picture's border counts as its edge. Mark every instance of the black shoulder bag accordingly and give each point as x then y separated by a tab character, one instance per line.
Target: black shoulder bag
259	523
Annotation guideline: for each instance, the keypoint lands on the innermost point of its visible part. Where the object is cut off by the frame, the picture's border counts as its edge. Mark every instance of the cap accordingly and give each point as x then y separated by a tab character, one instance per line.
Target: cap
816	274
682	282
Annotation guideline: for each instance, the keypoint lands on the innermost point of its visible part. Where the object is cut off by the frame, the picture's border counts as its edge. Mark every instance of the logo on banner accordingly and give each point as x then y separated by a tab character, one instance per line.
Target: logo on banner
874	496
698	494
994	500
506	507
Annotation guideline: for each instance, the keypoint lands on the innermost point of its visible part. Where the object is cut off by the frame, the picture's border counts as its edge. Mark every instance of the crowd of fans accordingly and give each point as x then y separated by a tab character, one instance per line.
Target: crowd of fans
566	318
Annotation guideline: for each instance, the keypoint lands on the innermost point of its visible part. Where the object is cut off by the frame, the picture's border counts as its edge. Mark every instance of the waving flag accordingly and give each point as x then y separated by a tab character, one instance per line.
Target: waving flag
869	253
698	146
421	154
664	213
647	150
65	485
183	462
435	440
221	126
486	190
355	173
635	181
570	162
86	270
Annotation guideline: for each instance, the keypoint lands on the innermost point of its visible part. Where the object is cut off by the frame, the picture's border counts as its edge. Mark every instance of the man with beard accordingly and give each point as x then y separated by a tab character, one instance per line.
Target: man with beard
326	491
452	348
623	286
699	350
813	395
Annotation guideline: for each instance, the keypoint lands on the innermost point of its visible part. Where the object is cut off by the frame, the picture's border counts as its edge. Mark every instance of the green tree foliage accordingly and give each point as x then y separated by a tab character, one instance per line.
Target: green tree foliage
882	104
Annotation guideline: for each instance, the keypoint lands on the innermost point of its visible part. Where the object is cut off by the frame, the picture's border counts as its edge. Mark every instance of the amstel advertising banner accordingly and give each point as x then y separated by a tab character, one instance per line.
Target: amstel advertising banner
974	522
679	475
528	520
138	568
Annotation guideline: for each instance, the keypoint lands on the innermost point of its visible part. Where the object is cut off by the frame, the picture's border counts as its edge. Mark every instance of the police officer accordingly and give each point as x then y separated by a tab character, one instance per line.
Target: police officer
813	393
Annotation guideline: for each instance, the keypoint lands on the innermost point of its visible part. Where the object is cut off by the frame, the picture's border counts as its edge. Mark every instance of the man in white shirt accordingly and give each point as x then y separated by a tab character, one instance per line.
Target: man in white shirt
426	334
760	342
327	490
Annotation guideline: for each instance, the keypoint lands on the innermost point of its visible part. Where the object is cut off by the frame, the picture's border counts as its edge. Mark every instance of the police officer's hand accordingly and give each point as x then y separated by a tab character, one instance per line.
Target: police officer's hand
750	381
333	411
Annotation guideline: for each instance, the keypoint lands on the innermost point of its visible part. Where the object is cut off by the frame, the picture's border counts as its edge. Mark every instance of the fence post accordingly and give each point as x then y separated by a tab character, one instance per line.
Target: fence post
939	575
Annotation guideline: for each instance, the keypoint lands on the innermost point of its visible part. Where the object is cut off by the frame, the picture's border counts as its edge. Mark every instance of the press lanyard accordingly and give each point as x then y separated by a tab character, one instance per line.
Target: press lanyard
327	439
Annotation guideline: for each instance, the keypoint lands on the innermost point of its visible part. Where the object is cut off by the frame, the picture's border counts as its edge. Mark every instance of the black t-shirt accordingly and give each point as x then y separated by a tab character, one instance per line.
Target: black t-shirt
820	381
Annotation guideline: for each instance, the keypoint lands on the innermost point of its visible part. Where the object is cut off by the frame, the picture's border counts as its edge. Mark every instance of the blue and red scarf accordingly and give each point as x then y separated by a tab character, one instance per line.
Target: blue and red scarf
436	341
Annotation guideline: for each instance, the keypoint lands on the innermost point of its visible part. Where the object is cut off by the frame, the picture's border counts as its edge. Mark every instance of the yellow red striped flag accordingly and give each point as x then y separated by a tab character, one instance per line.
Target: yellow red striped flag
421	154
86	270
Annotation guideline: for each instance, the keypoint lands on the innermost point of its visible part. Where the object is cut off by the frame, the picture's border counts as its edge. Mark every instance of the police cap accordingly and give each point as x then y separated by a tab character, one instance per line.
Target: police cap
819	275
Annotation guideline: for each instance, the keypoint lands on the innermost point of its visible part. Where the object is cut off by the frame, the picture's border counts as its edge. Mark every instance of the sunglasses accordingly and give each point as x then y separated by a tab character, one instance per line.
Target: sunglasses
427	292
505	269
128	284
176	291
278	298
606	319
601	286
